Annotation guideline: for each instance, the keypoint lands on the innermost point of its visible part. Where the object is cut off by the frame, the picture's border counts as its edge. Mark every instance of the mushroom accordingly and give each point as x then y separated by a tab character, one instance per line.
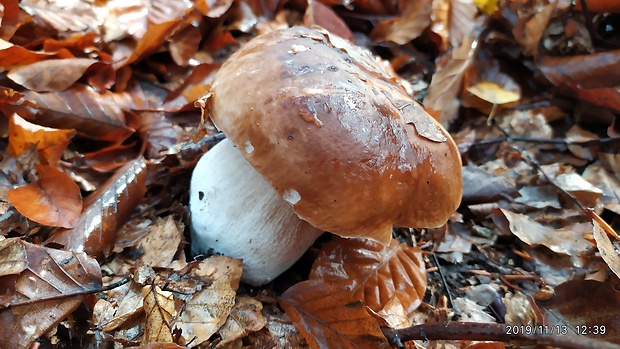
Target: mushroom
324	140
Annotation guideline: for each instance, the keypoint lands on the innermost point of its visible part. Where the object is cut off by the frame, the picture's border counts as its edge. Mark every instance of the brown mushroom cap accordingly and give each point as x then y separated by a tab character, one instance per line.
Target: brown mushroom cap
332	133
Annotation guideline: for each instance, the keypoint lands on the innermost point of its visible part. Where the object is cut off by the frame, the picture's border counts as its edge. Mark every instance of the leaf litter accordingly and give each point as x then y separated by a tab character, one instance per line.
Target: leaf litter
98	102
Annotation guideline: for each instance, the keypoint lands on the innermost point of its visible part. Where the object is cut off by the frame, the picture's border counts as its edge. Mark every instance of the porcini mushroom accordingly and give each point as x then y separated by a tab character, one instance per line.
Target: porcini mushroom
324	128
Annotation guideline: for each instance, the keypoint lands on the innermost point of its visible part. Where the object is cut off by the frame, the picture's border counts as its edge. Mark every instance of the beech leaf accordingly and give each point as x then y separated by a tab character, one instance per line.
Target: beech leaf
413	20
324	16
390	280
52	74
586	304
50	143
105	210
51	286
328	317
55	199
91	114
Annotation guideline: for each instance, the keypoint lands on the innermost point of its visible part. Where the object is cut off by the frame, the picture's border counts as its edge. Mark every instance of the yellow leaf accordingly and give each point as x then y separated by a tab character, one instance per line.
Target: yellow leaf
488	7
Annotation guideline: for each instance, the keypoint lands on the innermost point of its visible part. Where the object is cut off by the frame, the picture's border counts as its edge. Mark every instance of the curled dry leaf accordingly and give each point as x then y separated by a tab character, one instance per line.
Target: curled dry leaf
105	211
159	309
55	199
152	40
50	142
91	114
15	55
329	317
585	304
46	285
390	280
120	305
567	241
204	312
52	75
10	19
411	23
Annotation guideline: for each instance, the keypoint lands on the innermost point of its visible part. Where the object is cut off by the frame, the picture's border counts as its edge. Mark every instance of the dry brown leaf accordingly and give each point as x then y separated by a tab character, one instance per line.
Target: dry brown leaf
159	346
441	100
159	309
569	241
586	71
50	143
606	248
10	18
213	8
51	285
413	20
120	305
204	312
162	243
479	186
15	55
105	211
91	114
588	306
52	75
63	15
184	44
528	31
158	133
328	316
323	16
245	317
390	280
55	199
608	183
152	40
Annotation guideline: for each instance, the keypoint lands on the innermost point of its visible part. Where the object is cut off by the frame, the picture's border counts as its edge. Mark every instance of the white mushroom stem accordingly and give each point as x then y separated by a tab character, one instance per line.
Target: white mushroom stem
235	212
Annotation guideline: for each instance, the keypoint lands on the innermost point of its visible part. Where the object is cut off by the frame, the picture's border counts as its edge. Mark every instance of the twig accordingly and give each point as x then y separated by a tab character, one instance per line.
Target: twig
491	332
596	142
66	295
443	279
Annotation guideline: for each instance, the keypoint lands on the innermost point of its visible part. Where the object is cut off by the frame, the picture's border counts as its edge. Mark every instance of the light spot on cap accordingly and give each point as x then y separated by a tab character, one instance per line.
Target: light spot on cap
249	148
291	196
298	48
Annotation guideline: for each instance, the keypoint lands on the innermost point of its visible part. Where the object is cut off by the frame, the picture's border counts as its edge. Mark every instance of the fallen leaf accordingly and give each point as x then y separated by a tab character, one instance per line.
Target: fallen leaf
479	186
566	241
16	55
91	114
50	143
213	8
55	199
10	18
159	309
120	305
441	100
390	280
105	211
606	248
50	287
62	15
323	16
162	243
152	39
52	75
528	31
488	7
204	312
414	18
245	317
328	316
584	304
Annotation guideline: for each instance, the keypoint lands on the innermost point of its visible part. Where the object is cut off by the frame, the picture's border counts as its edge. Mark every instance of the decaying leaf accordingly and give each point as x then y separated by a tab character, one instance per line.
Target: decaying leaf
441	101
52	74
120	305
329	317
479	186
55	199
390	280
50	285
162	243
413	20
323	16
159	309
586	308
245	317
204	312
568	241
105	211
528	31
607	248
50	143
